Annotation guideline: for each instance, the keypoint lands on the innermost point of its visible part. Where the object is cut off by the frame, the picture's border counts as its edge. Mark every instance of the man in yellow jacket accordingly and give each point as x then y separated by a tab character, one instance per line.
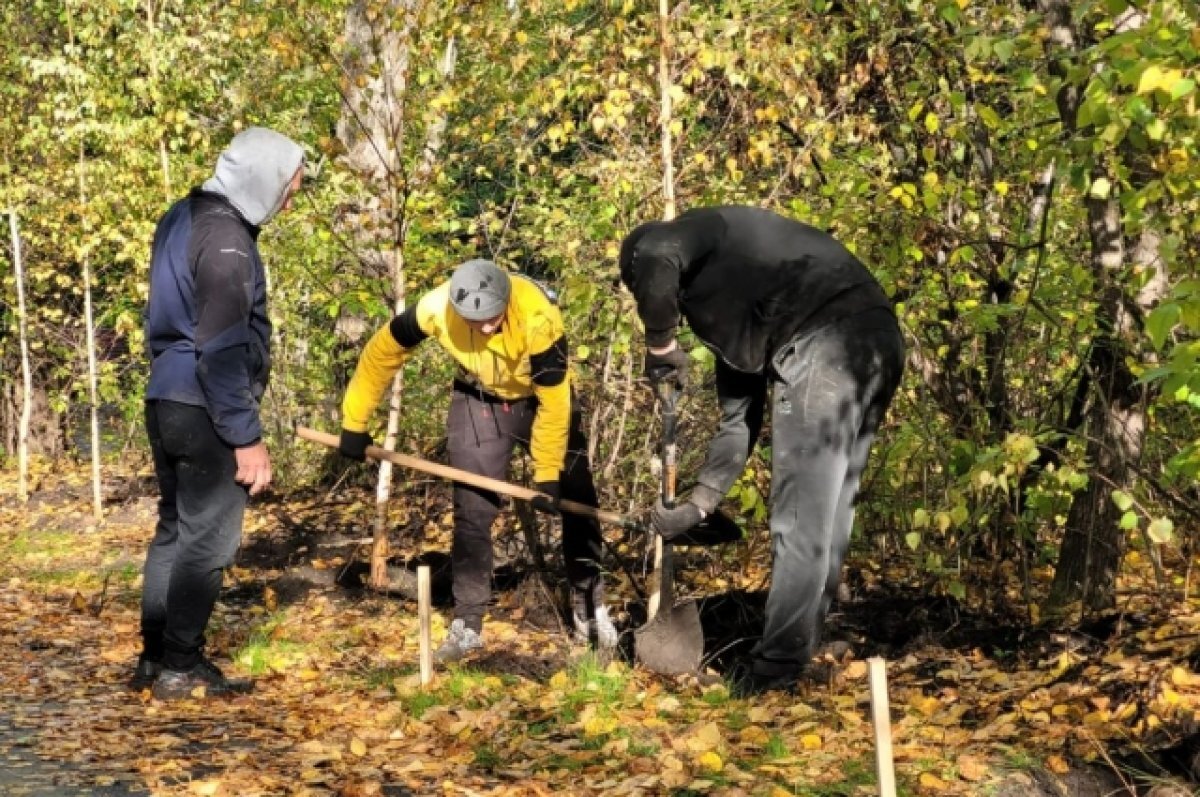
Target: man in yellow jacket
513	387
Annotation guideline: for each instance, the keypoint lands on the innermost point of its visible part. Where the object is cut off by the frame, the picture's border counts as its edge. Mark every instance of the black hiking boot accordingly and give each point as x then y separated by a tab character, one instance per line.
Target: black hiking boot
145	674
745	681
203	680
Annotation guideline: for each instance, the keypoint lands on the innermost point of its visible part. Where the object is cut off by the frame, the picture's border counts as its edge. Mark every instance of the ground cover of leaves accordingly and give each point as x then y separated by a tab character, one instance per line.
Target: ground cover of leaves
338	709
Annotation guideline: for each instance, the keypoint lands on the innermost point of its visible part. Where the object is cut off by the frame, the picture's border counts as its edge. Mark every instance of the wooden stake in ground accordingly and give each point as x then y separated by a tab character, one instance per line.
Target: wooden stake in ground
882	720
423	615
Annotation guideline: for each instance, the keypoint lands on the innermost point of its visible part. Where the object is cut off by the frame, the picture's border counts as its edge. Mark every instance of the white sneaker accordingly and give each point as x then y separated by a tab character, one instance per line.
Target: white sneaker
459	641
605	632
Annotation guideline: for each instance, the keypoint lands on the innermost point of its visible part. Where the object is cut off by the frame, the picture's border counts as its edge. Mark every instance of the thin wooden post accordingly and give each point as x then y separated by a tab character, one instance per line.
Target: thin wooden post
882	720
423	614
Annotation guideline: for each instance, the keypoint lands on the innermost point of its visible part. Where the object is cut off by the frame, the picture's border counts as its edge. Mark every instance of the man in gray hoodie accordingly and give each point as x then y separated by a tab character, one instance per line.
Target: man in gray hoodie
208	338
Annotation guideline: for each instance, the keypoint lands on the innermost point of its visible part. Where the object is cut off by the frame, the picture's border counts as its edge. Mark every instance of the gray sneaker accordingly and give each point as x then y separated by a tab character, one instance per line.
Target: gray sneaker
605	632
459	641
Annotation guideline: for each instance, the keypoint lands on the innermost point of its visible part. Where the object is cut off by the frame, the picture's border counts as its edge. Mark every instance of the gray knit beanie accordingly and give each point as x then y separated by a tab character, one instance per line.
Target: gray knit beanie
479	290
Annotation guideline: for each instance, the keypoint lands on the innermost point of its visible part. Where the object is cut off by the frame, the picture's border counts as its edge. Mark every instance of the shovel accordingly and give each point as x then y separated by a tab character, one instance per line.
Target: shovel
672	641
488	483
473	479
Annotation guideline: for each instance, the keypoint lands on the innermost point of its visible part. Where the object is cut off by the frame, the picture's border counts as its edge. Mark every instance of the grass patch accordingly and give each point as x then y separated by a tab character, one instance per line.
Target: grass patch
265	651
82	580
858	777
472	688
736	718
775	748
42	545
539	729
558	761
417	703
589	682
643	749
487	758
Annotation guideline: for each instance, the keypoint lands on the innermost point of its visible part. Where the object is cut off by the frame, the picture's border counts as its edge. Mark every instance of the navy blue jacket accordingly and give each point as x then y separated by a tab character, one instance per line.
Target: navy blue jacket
207	331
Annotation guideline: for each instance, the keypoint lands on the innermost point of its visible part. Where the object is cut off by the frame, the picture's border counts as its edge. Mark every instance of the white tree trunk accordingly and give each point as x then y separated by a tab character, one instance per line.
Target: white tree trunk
152	29
433	144
90	342
665	110
26	374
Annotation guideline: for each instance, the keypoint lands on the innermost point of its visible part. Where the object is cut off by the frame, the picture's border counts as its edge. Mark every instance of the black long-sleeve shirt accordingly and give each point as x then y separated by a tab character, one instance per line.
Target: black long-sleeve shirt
746	279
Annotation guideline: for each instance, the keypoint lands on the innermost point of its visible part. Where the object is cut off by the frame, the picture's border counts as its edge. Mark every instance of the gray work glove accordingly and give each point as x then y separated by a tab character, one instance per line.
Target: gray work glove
675	521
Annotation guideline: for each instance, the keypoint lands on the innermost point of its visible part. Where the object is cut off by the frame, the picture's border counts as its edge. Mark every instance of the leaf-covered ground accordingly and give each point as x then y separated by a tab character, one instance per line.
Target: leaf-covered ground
980	706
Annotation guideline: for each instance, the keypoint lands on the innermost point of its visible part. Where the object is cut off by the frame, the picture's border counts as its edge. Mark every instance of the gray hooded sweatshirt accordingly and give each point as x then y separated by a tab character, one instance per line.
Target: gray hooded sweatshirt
254	171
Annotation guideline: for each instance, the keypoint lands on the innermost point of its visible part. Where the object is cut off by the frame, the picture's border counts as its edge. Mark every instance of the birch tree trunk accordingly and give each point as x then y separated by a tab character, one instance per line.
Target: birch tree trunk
1094	543
152	28
26	373
374	130
88	313
433	142
90	343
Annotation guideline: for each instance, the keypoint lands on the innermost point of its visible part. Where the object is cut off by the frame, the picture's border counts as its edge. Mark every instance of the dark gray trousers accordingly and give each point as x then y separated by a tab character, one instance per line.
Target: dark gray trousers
830	389
200	511
481	435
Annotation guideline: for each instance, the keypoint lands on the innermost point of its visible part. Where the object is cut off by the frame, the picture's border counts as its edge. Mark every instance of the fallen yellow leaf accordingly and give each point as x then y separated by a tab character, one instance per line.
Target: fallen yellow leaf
710	762
971	769
810	741
707	737
856	671
754	735
928	706
1182	677
931	782
358	747
1058	765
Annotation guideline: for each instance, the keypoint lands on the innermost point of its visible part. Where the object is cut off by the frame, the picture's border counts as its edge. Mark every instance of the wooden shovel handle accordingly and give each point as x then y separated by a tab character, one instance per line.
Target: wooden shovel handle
473	479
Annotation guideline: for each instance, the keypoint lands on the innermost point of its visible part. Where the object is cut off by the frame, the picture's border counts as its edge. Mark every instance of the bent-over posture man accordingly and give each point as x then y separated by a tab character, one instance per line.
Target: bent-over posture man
209	340
513	387
782	306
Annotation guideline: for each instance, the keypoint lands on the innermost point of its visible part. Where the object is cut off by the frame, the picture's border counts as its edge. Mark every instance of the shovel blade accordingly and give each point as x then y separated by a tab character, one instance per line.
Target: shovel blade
673	642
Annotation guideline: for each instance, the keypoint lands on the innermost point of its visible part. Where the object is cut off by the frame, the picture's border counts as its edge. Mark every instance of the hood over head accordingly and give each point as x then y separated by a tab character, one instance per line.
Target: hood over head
254	171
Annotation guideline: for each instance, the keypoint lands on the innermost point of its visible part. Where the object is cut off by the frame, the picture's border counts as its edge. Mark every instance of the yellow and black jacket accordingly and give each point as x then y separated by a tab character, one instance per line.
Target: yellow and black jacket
527	357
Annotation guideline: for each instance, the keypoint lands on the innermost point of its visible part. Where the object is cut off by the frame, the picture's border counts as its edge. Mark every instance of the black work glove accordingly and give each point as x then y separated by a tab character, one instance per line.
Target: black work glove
671	367
676	521
548	502
353	445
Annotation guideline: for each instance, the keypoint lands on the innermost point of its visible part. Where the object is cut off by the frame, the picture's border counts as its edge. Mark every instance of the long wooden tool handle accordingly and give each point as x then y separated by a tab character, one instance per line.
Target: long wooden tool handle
662	594
473	479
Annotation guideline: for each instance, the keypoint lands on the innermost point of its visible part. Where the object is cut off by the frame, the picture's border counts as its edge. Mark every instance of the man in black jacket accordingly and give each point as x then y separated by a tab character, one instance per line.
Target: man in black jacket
208	338
784	305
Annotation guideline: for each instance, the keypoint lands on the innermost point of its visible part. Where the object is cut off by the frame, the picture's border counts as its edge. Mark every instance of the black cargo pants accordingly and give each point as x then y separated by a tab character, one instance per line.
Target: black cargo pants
200	511
482	431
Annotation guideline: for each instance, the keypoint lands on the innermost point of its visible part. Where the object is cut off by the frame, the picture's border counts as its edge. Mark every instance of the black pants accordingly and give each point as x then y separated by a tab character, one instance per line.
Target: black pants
829	391
482	433
200	510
